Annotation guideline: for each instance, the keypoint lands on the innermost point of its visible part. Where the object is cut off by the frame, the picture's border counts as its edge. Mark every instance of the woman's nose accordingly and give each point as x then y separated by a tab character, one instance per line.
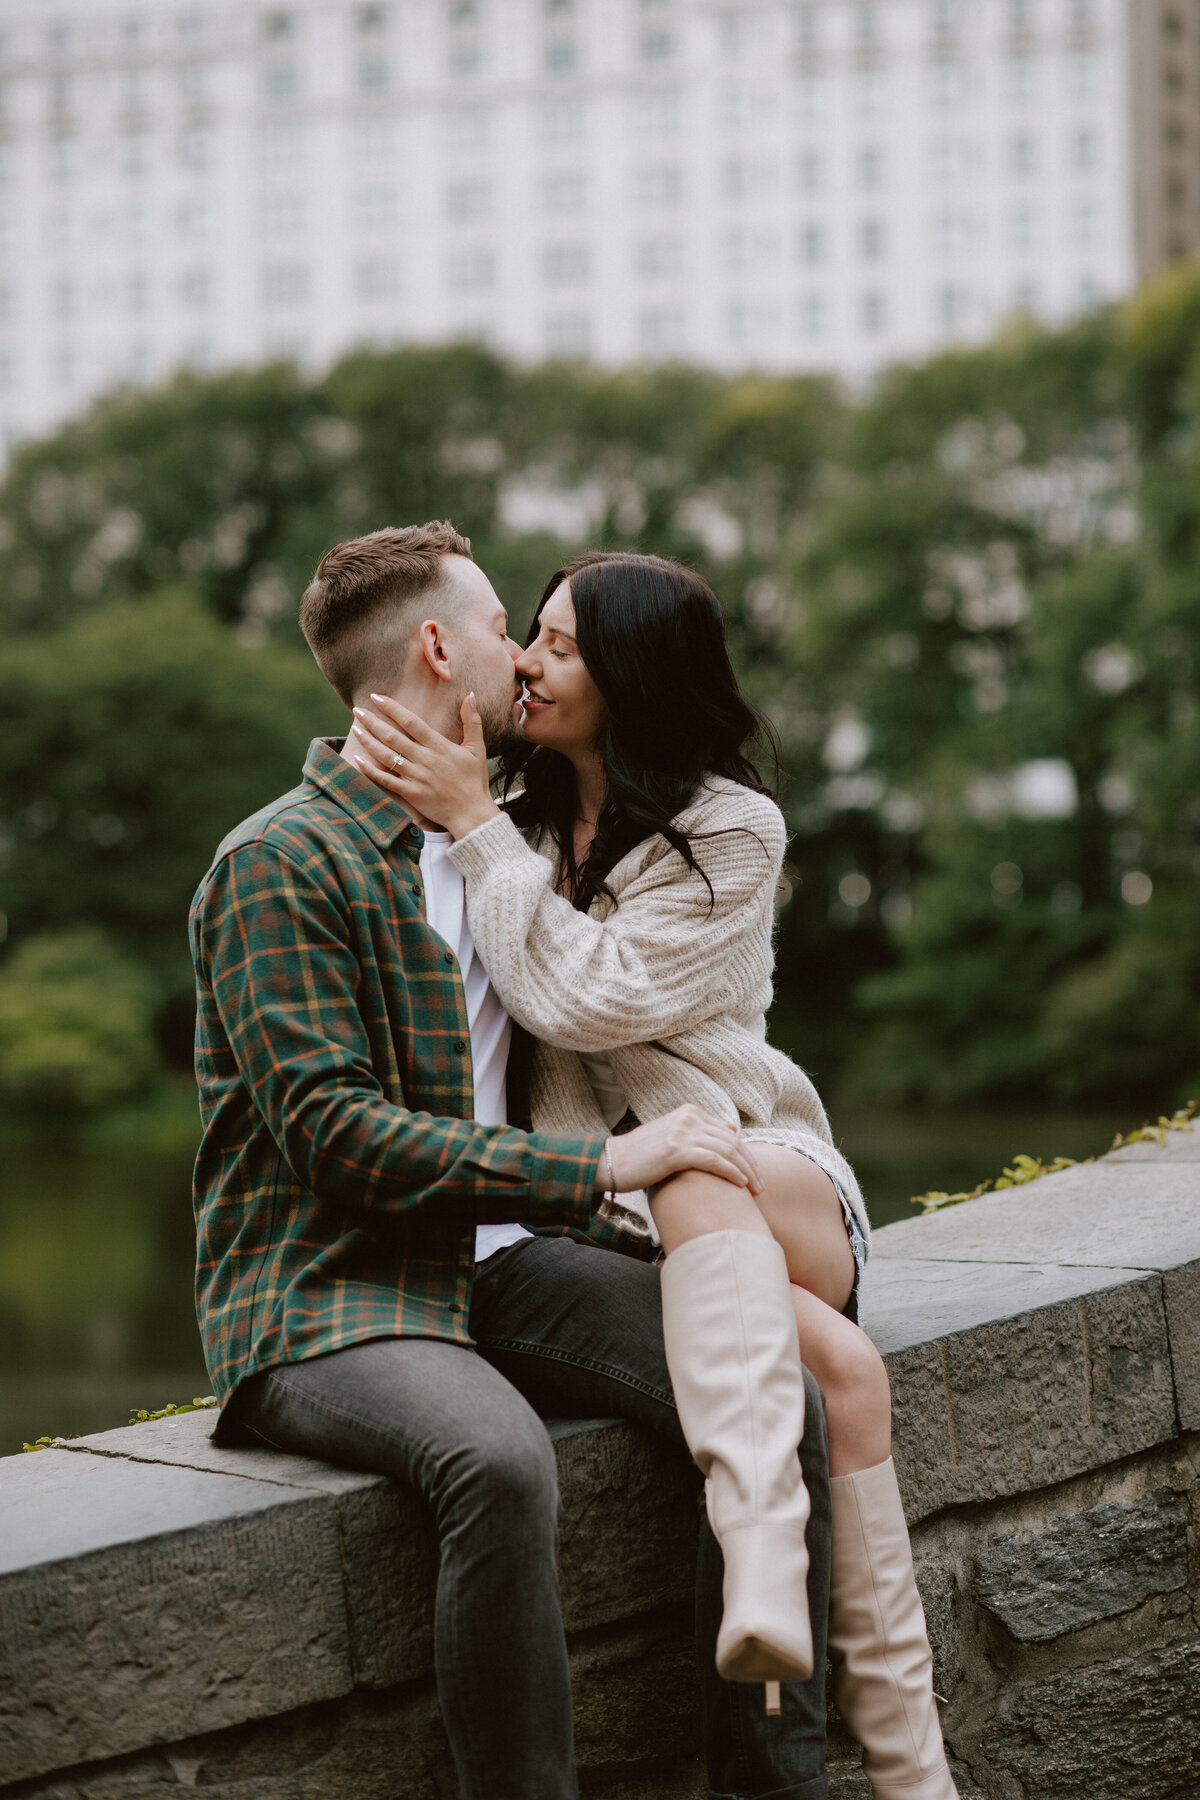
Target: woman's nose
526	664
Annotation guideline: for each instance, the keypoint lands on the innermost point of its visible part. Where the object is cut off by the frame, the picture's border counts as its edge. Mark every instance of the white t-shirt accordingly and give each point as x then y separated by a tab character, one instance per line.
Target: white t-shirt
490	1025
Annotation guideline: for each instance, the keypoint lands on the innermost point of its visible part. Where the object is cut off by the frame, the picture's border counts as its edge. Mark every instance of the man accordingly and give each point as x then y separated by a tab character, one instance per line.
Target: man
365	1289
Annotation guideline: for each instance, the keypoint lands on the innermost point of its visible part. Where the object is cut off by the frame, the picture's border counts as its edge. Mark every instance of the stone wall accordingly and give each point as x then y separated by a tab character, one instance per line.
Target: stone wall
176	1616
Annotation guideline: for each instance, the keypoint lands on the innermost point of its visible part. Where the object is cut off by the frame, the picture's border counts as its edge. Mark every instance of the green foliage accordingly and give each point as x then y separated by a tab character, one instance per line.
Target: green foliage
1032	1168
137	1416
967	600
75	1024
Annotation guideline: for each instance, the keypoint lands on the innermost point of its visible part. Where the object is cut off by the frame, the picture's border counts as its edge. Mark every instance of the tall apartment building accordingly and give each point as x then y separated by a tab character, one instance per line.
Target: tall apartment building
830	184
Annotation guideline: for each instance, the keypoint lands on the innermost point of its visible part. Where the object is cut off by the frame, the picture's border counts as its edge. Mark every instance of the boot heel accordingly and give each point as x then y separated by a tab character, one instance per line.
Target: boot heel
772	1697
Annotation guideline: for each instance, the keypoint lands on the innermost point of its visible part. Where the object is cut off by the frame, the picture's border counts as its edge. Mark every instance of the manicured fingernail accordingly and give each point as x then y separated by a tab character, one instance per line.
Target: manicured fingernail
358	712
474	702
379	698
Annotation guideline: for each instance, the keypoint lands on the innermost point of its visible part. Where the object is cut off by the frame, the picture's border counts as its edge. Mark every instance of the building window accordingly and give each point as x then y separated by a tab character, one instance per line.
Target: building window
62	368
373	74
278	27
952	306
1083	223
63	298
282	215
660	331
746	177
195	149
867	92
872	312
810	99
654	116
466	129
137	293
1023	229
869	166
567	334
1025	297
562	121
871	240
1081	70
655	46
659	257
810	171
952	233
285	284
811	316
135	151
376	279
1090	293
195	287
468	202
281	81
658	185
564	265
281	145
1084	152
1022	154
471	270
947	86
811	245
561	55
1018	76
563	193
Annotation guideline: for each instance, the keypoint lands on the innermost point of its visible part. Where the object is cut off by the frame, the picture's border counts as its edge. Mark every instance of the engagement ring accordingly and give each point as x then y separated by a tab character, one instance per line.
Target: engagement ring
397	759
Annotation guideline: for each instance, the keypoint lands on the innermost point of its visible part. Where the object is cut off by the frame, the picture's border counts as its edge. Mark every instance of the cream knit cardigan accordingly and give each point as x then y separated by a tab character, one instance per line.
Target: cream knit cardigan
674	988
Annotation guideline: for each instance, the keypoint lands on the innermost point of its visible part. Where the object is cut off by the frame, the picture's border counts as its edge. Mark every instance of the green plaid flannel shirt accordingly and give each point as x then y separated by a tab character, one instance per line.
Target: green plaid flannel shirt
341	1175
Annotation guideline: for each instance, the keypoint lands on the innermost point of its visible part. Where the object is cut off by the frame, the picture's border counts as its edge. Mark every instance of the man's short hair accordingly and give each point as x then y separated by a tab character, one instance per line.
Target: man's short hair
357	612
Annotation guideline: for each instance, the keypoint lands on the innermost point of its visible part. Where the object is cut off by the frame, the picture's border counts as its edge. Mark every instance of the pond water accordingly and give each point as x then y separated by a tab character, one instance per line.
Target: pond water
96	1253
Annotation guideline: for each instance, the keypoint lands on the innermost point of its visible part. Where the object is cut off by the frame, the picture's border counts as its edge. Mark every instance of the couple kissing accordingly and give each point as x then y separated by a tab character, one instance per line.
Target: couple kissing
492	1132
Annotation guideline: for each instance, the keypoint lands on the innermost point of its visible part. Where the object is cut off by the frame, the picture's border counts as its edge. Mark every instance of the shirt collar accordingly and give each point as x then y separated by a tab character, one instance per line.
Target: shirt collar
382	818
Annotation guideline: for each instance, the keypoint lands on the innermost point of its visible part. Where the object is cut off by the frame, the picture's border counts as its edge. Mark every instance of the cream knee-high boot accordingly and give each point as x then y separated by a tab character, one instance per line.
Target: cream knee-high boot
882	1663
730	1333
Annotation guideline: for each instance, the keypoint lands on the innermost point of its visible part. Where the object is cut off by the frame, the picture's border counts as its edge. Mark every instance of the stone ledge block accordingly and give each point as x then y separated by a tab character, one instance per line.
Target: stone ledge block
1032	1400
1137	1215
1181	1293
163	1602
1086	1566
1124	1730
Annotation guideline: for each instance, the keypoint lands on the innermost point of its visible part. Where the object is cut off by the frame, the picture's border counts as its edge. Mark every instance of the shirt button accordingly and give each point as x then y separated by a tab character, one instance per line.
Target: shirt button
459	1047
447	956
455	1307
416	887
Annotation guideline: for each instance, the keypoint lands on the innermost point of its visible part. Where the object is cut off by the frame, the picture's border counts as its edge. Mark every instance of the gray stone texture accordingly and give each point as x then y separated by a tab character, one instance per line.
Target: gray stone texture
1087	1566
1129	1730
174	1615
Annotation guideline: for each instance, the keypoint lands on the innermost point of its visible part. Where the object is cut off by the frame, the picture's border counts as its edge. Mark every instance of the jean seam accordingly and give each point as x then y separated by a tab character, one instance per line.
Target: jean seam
521	1347
329	1407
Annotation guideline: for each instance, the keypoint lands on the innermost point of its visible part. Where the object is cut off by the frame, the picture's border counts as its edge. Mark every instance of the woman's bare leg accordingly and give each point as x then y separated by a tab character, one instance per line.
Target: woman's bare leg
799	1206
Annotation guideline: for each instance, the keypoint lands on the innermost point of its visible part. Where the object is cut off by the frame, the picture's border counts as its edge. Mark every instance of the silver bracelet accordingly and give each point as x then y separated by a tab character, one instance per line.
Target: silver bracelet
607	1158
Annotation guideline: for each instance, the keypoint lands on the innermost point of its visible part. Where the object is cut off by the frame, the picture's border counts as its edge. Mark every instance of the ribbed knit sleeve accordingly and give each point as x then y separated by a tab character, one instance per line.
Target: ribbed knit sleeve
666	956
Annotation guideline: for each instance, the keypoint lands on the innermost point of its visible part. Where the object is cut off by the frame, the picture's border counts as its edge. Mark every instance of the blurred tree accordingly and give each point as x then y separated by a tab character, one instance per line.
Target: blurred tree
131	741
969	601
75	1025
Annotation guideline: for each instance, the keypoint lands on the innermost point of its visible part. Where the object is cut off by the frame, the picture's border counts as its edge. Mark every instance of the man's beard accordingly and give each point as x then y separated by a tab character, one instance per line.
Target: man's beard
496	715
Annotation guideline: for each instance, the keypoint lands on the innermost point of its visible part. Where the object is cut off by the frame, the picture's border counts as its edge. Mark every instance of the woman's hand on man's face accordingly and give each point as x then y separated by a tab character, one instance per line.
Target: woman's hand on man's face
434	779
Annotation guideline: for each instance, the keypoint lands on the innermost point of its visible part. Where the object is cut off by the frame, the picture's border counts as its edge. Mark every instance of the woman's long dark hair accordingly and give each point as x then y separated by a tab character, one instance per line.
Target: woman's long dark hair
652	638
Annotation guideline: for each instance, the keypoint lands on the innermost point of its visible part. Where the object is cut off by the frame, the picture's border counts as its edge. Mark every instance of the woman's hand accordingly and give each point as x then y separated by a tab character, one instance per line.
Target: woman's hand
433	778
684	1139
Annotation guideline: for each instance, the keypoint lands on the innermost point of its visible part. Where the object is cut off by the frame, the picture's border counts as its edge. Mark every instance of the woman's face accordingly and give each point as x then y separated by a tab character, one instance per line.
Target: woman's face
561	706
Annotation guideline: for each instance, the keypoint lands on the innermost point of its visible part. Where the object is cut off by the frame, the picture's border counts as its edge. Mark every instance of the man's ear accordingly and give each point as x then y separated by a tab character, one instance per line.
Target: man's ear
435	651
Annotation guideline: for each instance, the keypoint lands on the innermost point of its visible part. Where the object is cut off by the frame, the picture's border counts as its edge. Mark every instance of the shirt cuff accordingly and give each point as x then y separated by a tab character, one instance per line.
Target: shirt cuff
564	1185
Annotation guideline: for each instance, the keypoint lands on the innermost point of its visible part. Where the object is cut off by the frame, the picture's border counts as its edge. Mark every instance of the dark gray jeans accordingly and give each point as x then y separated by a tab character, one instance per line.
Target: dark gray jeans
563	1330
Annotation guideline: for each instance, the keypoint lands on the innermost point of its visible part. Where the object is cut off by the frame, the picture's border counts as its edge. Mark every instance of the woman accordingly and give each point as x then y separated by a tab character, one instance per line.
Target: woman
622	904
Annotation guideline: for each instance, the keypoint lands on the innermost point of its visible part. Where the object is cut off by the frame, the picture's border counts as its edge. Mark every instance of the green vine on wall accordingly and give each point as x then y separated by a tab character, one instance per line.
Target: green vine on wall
1032	1168
137	1416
